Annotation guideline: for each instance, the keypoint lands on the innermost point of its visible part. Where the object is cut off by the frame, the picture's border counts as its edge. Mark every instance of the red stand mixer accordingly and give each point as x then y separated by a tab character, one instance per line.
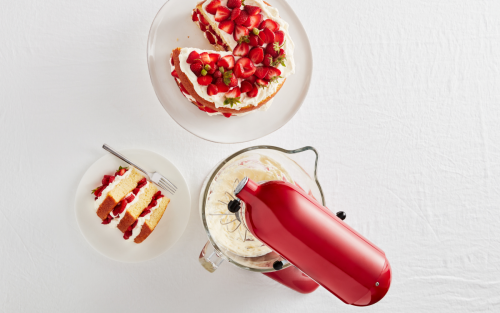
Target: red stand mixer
310	244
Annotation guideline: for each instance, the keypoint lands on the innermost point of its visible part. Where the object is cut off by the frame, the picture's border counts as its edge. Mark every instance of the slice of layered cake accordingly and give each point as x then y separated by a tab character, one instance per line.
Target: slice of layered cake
252	59
113	189
148	219
139	205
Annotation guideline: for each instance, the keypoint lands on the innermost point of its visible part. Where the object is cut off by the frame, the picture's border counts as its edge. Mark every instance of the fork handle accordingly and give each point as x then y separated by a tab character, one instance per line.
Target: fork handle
122	157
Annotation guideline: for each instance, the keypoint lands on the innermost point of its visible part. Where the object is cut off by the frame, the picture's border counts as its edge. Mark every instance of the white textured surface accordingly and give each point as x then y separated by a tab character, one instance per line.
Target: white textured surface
404	108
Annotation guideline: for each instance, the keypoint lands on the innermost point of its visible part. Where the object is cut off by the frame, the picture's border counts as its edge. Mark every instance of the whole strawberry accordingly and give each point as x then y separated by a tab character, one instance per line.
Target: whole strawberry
234	4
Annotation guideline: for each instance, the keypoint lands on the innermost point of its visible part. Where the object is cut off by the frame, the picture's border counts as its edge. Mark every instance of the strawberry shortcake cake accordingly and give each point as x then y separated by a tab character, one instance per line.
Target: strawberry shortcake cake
251	60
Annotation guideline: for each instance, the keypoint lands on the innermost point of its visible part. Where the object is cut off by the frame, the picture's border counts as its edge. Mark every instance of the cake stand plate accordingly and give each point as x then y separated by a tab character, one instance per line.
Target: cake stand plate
109	241
173	27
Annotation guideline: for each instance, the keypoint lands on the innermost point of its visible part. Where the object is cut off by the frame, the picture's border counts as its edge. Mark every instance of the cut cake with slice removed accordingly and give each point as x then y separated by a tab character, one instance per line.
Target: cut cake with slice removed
133	212
254	56
124	181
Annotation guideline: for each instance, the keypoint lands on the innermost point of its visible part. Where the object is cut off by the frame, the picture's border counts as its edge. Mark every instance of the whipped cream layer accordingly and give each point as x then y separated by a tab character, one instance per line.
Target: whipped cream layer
142	220
110	187
219	98
240	241
117	218
193	100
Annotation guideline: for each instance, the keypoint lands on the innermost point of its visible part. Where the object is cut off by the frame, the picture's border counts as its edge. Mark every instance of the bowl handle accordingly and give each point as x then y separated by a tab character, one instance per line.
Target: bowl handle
209	258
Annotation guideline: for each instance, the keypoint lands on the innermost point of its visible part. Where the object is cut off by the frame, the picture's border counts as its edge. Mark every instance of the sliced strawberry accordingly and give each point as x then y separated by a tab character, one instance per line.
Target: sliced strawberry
172	61
233	81
107	220
121	172
214	57
119	207
241	49
246	86
130	198
236	12
212	69
252	79
228	115
268	59
196	68
136	191
279	36
142	183
254	40
244	68
174	73
111	179
217	74
262	38
272	25
194	17
145	212
273	72
208	110
253	21
261	71
183	89
239	32
233	4
252	10
98	192
227	62
262	82
203	20
205	80
212	90
233	93
210	38
222	14
271	49
227	26
212	7
105	180
269	34
256	55
203	28
205	58
221	87
253	93
242	18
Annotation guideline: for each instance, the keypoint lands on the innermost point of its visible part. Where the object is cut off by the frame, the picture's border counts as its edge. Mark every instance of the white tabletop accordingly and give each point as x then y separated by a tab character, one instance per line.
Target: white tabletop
404	108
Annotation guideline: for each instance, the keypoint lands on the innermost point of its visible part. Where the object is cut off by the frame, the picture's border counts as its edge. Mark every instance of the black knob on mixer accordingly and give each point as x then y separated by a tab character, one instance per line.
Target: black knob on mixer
234	206
278	265
341	215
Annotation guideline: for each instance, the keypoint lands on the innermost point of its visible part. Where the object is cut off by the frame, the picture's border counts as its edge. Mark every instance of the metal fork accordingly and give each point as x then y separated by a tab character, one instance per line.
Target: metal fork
155	177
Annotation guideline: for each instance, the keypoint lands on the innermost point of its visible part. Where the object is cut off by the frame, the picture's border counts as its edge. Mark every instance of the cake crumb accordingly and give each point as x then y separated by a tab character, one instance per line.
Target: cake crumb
188	36
177	39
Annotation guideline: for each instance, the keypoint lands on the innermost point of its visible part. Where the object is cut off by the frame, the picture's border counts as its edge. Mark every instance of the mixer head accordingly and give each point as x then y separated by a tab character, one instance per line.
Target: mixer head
232	220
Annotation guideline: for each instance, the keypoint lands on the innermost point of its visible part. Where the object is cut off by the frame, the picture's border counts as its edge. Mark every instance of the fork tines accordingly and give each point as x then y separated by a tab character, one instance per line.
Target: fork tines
167	185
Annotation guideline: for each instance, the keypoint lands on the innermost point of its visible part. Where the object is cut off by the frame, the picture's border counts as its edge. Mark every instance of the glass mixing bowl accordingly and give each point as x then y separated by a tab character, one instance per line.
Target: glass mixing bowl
293	164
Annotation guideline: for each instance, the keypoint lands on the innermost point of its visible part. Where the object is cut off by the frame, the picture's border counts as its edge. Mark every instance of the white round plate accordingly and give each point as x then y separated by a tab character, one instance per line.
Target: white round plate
109	241
174	28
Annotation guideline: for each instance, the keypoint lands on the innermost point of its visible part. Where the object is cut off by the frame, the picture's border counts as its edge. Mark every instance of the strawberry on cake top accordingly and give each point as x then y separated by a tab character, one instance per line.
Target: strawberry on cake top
247	76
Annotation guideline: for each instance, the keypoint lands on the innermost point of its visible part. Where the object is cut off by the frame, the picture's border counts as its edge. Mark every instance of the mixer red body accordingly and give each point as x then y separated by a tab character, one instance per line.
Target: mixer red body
316	241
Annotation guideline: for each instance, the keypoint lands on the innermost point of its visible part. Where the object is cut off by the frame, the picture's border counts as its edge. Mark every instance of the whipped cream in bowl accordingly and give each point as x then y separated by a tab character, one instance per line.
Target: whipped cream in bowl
225	228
